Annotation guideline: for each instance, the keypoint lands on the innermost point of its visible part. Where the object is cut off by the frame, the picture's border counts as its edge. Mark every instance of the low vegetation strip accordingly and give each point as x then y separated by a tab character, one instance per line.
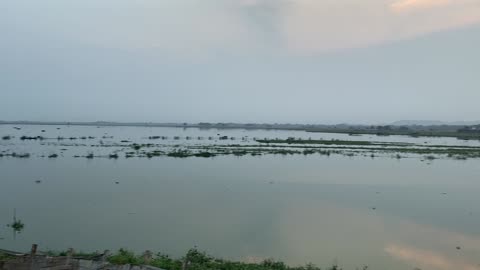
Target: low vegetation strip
195	260
324	142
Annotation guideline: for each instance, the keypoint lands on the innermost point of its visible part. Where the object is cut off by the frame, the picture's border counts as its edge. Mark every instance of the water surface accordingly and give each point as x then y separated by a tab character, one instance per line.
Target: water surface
382	212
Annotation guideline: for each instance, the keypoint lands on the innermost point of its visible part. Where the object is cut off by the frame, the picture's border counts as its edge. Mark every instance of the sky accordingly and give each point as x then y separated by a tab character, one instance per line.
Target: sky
262	61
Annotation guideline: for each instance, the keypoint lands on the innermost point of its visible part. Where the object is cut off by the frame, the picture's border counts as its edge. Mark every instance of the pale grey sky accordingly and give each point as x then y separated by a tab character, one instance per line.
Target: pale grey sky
303	61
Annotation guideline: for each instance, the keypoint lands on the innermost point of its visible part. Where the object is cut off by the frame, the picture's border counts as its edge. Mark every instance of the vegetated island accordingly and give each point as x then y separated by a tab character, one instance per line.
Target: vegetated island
461	130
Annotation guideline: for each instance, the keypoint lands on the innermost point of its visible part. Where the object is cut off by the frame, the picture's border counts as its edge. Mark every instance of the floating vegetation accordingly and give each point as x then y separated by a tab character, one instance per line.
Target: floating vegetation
204	154
17	155
113	156
239	153
17	225
6	138
292	140
308	152
53	156
23	138
179	154
136	146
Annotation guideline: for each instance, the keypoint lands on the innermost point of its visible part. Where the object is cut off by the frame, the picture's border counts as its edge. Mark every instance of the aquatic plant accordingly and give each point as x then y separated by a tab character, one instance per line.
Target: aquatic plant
179	154
17	225
23	138
308	151
204	154
16	155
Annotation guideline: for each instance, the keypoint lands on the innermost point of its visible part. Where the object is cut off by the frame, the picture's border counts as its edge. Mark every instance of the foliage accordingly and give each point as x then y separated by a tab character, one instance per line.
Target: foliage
124	256
5	257
197	260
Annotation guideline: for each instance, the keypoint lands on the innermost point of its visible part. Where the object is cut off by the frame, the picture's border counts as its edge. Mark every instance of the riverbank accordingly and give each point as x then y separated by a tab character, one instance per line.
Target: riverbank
124	259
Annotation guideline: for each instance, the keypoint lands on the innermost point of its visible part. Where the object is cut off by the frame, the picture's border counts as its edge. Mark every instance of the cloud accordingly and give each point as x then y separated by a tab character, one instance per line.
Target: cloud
318	26
405	5
194	27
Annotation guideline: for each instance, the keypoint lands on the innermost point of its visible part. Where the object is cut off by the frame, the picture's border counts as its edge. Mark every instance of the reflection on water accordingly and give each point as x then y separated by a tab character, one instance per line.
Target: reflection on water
427	259
385	213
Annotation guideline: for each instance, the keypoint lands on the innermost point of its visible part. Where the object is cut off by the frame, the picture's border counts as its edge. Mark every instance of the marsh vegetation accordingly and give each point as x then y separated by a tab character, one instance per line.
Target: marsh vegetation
257	147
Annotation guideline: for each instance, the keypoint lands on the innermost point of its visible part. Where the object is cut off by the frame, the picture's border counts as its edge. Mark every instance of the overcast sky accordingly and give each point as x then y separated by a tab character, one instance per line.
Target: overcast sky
302	61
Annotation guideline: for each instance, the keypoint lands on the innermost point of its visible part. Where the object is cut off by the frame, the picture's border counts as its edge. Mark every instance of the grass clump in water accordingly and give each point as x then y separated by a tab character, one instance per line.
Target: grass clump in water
179	154
204	154
17	225
16	155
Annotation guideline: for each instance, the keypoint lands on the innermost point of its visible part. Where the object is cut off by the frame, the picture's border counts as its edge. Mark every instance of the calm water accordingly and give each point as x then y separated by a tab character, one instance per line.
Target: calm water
382	212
